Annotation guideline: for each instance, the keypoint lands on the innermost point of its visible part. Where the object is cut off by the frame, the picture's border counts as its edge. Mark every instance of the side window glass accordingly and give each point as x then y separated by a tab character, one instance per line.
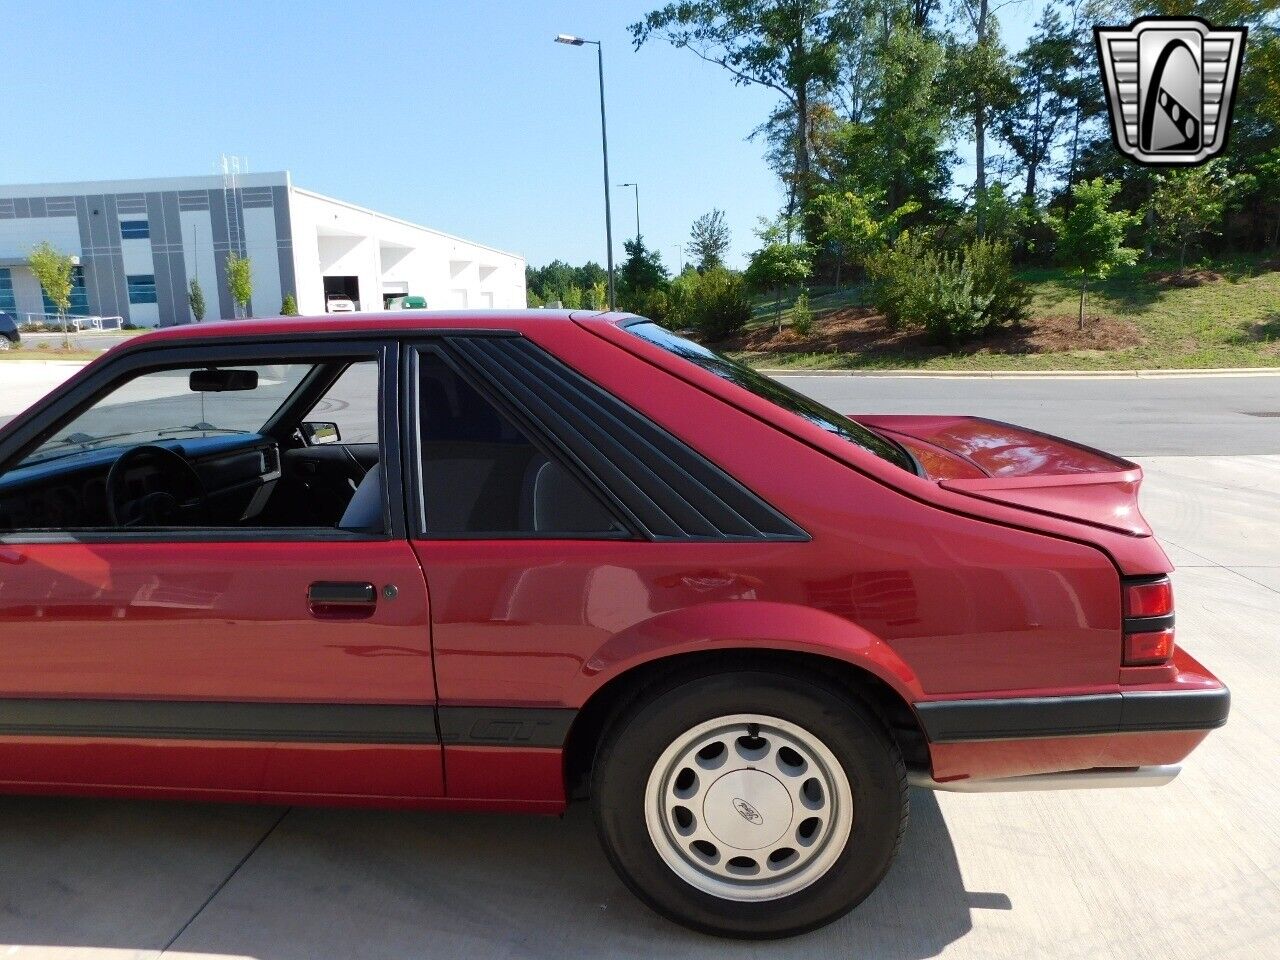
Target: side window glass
482	475
351	404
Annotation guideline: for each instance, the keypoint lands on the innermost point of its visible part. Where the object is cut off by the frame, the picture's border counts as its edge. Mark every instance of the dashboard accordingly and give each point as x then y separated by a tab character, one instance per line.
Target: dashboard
239	473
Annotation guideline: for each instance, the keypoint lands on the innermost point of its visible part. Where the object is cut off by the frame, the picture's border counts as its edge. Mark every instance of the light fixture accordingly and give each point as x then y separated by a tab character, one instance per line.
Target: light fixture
570	39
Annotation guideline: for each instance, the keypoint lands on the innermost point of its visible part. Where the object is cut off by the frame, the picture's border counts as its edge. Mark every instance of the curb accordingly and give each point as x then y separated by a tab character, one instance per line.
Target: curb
1030	374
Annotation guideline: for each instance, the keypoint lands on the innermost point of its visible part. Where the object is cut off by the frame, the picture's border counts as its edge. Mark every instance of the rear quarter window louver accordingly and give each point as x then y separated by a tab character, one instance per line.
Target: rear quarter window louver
670	490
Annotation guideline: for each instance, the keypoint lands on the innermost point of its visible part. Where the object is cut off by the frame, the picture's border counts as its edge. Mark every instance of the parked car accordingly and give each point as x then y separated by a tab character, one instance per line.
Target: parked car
340	305
502	561
9	335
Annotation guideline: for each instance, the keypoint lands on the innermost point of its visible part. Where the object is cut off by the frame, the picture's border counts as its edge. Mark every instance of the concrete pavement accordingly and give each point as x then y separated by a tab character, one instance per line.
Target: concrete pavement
1184	872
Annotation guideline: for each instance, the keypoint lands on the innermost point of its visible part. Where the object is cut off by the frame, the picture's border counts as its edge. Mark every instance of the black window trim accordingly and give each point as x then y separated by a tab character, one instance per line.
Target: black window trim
73	398
491	384
416	506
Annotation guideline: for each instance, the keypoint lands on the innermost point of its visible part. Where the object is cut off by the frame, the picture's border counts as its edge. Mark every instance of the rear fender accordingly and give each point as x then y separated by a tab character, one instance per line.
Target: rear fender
745	625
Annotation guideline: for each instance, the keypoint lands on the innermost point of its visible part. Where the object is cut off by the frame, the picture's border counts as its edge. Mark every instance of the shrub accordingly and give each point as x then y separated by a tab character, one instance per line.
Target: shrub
894	274
289	306
954	296
714	303
801	315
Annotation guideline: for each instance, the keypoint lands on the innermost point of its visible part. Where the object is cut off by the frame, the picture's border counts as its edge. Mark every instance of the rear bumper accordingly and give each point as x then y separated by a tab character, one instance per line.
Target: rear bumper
1113	738
1024	718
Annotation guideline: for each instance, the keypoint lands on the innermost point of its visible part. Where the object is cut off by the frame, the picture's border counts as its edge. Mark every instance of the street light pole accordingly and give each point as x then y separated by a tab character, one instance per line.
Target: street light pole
604	144
637	189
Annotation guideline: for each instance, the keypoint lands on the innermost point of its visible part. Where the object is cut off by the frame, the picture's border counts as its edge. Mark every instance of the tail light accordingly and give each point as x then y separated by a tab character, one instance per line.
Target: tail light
1148	621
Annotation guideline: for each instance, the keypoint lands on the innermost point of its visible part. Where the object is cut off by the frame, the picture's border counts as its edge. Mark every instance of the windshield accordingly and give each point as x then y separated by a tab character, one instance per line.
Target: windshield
776	393
162	405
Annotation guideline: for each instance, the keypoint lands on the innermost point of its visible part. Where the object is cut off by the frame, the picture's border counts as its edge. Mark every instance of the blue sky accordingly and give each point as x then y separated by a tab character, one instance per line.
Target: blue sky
461	116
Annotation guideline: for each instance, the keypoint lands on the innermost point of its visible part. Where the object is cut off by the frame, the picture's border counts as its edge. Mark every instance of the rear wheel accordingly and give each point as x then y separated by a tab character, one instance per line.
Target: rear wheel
750	804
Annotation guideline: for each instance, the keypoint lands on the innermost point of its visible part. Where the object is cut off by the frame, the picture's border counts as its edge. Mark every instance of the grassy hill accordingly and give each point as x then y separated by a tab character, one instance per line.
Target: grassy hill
1140	318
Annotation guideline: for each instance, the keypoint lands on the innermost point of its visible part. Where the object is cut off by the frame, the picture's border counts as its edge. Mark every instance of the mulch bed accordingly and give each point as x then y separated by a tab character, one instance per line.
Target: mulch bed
863	331
1183	278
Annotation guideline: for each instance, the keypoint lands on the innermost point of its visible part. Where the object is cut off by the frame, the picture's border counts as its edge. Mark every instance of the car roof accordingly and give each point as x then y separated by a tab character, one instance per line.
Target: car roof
395	322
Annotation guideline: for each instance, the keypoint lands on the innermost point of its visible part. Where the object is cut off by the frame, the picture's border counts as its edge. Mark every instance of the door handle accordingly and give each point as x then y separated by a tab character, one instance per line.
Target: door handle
342	600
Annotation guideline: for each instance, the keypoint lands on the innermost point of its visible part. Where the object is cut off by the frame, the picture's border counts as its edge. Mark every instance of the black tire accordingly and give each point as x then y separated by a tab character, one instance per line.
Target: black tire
871	761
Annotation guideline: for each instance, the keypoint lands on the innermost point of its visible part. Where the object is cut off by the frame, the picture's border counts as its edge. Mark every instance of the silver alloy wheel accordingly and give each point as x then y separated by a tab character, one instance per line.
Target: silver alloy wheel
748	807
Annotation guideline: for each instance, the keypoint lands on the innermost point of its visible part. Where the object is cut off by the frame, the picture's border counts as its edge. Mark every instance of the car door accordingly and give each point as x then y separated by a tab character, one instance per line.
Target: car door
234	662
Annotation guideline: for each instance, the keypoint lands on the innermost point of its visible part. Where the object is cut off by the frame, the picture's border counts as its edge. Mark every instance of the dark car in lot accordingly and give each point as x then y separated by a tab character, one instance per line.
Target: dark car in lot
500	561
9	333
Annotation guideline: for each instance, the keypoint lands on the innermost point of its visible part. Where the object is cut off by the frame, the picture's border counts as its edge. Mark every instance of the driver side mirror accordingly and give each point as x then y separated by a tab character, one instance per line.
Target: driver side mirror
317	432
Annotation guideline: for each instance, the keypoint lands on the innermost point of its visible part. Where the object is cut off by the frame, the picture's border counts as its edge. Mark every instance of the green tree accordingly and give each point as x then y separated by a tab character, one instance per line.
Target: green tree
572	298
981	83
595	296
195	297
53	270
642	275
289	306
1091	236
857	225
709	240
777	265
240	281
792	47
1044	96
1189	202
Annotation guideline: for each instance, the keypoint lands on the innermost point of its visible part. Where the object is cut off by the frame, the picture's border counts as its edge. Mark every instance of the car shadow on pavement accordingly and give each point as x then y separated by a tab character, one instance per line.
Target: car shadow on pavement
356	883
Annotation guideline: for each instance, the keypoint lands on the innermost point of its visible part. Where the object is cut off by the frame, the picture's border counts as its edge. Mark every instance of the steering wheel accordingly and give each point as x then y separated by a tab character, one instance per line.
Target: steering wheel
177	499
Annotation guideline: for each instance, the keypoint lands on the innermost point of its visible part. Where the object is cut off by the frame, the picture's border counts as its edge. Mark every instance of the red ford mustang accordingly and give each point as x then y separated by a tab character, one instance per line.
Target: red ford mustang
498	561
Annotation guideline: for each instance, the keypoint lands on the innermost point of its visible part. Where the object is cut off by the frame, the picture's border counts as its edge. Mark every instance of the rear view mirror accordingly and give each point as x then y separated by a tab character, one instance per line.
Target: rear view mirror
223	381
316	432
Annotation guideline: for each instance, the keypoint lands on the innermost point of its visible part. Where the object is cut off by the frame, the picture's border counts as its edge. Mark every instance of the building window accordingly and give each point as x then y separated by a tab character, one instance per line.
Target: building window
8	303
142	288
79	297
135	229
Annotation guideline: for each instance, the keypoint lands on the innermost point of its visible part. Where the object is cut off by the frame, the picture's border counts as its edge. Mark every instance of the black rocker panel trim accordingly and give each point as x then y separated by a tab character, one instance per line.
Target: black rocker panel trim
1026	718
220	720
671	489
285	722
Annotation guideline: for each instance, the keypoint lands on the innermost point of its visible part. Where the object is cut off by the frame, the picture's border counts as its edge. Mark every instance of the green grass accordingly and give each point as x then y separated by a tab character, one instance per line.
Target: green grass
25	353
1234	322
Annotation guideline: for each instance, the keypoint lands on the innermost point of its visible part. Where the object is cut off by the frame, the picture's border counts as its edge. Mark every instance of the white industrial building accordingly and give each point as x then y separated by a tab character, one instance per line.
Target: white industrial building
139	243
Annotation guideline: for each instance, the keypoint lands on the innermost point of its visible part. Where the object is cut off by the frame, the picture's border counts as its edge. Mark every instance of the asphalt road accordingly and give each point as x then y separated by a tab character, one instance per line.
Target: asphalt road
1130	416
1185	872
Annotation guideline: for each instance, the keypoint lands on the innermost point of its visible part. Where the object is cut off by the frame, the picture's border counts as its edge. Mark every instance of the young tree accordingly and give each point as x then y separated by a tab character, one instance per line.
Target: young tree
1091	236
289	306
777	265
1189	202
709	240
53	270
240	281
195	297
857	225
792	47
